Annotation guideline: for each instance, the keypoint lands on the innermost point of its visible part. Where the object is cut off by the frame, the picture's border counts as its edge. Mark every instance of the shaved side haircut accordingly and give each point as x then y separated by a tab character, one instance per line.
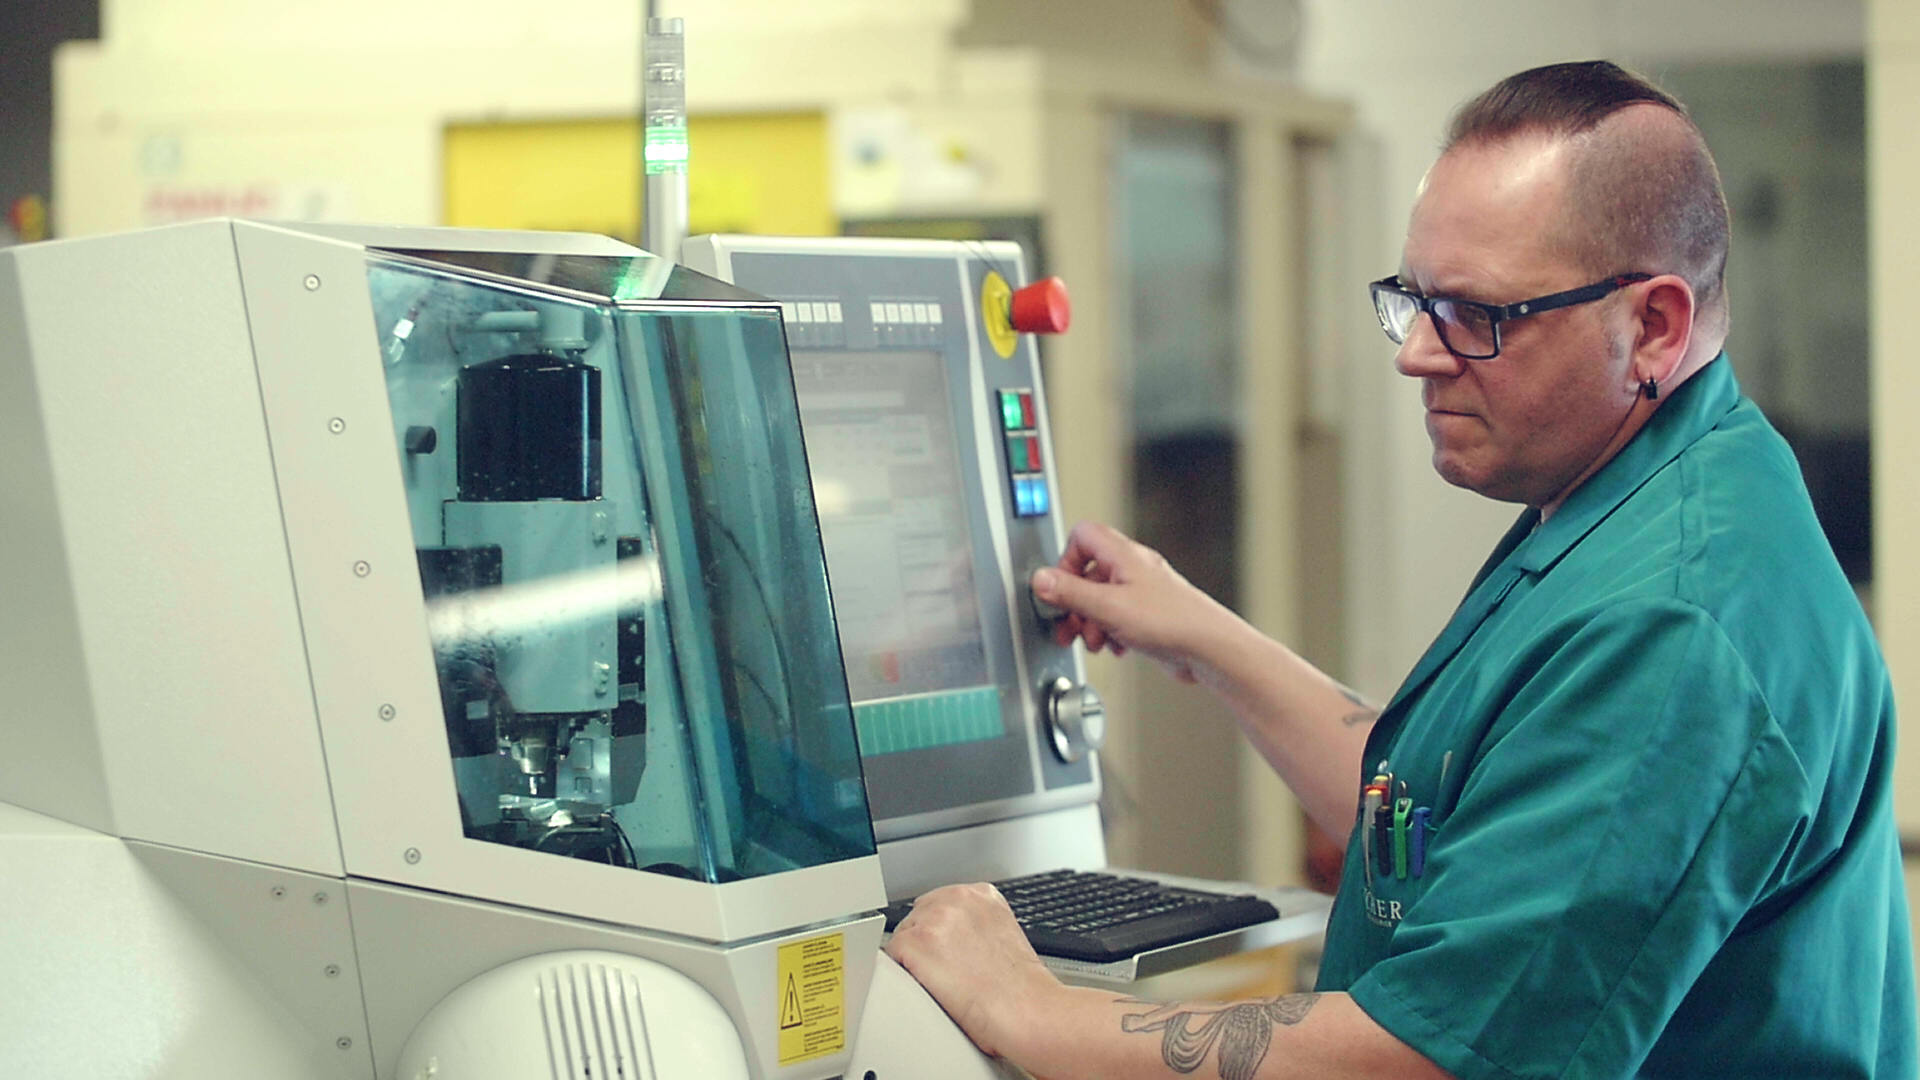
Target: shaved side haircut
1641	197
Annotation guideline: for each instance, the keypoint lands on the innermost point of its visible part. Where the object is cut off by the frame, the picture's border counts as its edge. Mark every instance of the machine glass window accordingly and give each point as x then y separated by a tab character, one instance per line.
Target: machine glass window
623	576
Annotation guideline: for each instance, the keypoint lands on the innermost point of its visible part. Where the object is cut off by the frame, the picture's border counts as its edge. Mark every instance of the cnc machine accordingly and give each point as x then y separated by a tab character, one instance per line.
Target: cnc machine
419	662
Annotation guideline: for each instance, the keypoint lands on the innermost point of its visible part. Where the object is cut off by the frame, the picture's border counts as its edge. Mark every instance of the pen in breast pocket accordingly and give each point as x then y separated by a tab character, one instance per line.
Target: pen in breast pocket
1417	842
1369	808
1383	839
1402	811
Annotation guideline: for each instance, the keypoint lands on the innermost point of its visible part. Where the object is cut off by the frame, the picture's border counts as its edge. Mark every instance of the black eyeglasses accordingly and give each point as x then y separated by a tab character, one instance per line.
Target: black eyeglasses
1469	329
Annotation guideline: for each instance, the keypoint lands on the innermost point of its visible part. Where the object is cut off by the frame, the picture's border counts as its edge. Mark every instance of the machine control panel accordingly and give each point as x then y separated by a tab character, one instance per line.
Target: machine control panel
927	438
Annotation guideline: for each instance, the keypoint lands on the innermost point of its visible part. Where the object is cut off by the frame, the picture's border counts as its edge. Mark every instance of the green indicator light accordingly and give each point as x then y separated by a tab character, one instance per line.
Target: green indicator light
1017	453
666	150
1010	410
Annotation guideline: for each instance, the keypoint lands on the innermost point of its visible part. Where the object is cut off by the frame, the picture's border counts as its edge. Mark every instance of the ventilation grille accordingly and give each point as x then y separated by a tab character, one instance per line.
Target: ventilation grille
596	1029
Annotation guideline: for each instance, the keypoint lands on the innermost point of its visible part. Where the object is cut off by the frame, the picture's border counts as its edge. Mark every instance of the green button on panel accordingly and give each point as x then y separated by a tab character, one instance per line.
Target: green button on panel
1017	454
1010	410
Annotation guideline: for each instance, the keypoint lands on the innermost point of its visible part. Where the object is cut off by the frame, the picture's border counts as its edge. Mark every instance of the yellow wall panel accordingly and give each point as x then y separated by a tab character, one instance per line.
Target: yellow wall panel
751	173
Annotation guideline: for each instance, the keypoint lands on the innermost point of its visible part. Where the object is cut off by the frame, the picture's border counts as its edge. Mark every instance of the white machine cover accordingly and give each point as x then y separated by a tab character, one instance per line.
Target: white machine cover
575	1015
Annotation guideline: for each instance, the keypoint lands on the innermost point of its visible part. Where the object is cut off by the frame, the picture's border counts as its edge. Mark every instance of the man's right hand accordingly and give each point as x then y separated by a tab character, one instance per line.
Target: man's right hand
1120	594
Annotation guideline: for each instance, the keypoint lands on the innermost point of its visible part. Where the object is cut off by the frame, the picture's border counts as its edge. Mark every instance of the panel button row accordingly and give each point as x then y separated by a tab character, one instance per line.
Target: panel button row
815	324
1026	470
812	311
889	311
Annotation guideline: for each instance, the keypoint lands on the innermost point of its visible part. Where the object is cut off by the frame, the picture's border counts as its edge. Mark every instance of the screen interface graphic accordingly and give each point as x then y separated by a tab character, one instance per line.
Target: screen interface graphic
893	515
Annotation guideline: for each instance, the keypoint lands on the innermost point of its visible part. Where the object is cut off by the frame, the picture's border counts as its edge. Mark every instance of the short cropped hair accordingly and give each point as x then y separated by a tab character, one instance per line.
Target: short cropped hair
1637	201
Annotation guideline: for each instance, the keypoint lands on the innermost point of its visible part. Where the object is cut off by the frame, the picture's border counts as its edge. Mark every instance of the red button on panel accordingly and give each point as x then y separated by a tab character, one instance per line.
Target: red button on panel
1033	453
1041	308
1026	408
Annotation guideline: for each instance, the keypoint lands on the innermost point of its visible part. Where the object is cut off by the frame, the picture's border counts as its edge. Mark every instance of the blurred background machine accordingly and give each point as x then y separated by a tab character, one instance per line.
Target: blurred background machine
427	650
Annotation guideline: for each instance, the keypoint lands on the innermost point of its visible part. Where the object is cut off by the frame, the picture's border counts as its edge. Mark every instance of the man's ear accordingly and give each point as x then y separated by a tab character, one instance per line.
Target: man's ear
1665	311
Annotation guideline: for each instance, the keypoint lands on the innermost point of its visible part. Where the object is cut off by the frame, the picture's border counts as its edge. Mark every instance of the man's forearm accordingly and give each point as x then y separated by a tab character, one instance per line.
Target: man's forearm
1093	1035
1311	729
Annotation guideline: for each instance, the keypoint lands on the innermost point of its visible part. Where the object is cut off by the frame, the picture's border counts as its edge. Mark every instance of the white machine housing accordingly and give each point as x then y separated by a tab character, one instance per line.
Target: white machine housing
228	838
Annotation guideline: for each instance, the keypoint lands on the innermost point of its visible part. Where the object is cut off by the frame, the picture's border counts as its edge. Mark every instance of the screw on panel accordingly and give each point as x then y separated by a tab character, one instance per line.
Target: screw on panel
332	970
362	568
387	712
312	282
413	855
343	1042
319	898
279	892
336	425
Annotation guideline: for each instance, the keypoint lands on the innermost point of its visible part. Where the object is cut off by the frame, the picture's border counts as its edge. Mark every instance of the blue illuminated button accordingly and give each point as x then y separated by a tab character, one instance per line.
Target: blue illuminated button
1030	498
1010	410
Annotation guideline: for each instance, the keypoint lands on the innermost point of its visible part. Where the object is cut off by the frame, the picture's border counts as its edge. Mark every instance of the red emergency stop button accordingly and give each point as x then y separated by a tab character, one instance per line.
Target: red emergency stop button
1042	307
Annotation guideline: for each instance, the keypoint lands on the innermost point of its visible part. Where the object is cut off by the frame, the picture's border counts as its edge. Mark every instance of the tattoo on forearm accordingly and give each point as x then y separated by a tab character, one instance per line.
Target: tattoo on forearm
1367	712
1243	1030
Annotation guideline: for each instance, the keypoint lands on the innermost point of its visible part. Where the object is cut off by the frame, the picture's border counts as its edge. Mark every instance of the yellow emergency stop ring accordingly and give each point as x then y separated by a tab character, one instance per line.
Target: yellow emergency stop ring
996	307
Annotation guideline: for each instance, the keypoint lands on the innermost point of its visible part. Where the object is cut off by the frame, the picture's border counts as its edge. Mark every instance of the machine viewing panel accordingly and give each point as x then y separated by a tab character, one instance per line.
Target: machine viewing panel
927	443
624	578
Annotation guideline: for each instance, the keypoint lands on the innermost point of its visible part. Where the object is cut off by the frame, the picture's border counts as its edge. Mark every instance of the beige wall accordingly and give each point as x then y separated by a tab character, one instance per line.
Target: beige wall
1893	195
266	110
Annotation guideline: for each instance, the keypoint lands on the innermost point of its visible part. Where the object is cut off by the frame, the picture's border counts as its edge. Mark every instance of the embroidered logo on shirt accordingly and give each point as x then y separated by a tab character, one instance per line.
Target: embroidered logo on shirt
1382	912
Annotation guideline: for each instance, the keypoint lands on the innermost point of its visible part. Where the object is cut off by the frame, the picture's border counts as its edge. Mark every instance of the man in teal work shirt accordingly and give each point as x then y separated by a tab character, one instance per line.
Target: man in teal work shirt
1631	813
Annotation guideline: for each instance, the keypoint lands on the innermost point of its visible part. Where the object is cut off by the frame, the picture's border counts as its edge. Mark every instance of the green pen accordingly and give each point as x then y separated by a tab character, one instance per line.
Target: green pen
1402	810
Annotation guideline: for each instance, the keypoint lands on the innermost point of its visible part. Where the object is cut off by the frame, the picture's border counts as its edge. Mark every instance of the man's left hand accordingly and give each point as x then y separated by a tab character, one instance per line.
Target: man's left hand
962	943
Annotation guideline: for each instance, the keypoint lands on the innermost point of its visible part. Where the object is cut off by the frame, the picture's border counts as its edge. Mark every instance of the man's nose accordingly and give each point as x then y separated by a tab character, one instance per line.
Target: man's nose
1423	355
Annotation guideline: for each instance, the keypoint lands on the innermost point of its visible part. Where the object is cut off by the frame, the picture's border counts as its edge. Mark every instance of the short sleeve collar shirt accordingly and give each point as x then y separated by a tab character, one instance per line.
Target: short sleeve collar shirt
1637	794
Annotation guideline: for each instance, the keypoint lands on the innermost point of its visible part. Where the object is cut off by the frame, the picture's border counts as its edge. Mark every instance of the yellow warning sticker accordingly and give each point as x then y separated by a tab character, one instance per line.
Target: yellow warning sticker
813	998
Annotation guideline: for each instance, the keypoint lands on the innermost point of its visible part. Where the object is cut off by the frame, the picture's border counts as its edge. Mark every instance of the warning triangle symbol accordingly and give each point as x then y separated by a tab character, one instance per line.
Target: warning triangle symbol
790	1005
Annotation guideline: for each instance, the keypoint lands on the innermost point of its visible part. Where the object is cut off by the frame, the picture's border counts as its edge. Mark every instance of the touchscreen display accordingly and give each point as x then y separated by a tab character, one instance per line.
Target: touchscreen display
893	518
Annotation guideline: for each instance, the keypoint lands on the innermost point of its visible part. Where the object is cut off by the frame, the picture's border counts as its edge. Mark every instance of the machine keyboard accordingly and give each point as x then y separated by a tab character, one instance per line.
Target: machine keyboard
1101	918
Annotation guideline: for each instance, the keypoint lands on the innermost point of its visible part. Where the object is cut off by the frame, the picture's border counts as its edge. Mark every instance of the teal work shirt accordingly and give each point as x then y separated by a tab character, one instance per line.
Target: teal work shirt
1654	747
